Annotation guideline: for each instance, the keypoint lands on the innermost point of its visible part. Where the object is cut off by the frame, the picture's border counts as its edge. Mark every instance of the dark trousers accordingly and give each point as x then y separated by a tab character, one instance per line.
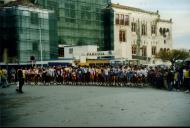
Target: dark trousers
21	83
177	84
170	85
187	83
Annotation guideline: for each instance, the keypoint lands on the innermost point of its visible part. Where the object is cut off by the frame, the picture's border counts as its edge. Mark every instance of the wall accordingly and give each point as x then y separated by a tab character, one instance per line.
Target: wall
79	51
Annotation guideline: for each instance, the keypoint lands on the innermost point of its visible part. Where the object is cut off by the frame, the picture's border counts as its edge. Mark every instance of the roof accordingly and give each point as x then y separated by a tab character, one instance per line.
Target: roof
80	45
132	8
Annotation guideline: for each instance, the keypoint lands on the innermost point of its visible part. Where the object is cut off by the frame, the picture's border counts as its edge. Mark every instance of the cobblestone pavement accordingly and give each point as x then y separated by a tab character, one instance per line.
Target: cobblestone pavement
93	106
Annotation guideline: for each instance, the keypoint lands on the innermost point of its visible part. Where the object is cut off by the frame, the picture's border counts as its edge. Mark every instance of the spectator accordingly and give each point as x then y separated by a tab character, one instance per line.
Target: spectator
170	79
177	80
20	80
186	77
4	78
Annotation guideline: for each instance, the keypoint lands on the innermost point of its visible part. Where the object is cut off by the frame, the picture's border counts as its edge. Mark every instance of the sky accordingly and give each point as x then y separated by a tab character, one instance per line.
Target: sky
178	10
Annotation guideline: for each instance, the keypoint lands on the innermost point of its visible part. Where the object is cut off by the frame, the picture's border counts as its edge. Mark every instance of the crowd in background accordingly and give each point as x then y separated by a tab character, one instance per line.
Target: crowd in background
123	75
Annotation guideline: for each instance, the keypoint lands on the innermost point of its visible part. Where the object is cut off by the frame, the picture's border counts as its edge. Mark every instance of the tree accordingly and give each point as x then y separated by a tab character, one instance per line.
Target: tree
172	55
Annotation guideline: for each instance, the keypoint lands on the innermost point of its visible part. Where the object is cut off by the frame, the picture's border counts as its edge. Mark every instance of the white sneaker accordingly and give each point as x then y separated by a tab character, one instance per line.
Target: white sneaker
187	91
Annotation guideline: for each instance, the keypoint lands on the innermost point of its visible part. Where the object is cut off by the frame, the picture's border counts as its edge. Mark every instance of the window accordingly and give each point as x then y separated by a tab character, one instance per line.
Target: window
61	52
153	29
144	51
122	36
70	50
164	31
143	32
126	20
164	41
134	49
161	31
122	19
117	19
153	50
134	27
34	18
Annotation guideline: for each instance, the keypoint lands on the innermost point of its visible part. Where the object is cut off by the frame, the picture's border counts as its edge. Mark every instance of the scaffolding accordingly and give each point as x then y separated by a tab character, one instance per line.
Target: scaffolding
80	22
20	30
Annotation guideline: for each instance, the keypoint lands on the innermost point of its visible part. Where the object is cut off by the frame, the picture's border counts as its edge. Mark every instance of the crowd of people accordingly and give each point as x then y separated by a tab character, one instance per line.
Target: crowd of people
123	75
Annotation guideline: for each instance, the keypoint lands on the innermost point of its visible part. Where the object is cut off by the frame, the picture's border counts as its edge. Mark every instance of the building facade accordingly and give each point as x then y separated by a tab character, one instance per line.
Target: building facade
80	22
27	30
124	32
136	34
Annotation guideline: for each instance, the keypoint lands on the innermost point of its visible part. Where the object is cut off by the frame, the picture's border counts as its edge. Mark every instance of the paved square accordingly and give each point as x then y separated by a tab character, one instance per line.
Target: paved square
93	106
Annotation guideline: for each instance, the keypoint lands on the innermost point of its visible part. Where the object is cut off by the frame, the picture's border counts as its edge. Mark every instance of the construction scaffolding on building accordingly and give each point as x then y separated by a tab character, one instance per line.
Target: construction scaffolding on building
27	30
80	22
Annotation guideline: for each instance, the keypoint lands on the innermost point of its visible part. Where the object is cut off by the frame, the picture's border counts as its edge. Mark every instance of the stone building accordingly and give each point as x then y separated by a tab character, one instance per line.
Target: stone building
136	34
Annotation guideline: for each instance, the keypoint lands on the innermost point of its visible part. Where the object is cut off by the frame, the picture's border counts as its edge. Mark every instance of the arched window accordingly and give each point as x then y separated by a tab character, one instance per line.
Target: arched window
164	32
154	50
161	31
143	29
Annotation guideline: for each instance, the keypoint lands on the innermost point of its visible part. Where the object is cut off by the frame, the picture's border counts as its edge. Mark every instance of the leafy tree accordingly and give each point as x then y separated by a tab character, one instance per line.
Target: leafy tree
172	55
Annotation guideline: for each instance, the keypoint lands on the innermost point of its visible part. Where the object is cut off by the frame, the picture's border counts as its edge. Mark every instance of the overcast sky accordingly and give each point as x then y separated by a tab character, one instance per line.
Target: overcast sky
178	10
